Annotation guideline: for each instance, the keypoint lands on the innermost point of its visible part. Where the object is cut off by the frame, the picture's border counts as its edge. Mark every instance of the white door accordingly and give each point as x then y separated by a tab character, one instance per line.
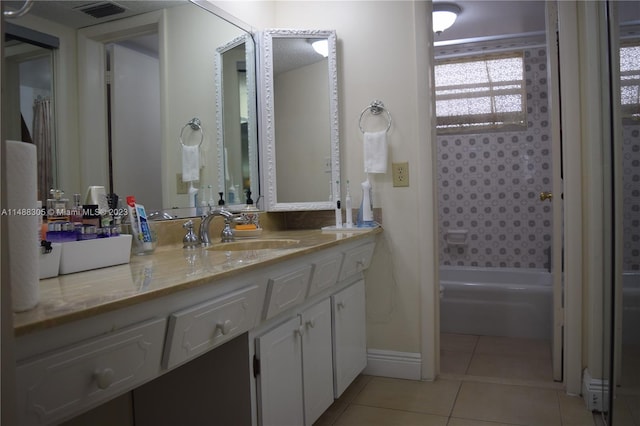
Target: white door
349	335
135	116
279	382
317	360
556	190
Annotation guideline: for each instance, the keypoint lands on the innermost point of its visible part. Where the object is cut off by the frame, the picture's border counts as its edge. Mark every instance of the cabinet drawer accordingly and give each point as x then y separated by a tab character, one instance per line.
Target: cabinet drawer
325	273
356	260
286	291
67	381
200	328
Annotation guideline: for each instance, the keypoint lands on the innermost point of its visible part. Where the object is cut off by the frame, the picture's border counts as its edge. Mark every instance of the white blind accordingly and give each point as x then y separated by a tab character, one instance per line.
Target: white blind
630	81
480	93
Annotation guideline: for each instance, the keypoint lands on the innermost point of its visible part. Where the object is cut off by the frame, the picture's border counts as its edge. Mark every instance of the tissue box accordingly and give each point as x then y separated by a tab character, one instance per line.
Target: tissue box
93	254
49	263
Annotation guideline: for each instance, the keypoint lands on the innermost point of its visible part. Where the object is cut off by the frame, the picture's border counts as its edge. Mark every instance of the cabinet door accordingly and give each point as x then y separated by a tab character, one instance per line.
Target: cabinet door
279	382
349	335
317	360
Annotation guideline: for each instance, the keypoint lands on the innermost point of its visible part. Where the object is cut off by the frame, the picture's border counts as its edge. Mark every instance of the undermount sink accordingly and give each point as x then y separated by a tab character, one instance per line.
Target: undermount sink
254	245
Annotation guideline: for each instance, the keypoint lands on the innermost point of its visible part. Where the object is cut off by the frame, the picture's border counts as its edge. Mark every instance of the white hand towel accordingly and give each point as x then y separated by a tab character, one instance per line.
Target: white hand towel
190	163
375	152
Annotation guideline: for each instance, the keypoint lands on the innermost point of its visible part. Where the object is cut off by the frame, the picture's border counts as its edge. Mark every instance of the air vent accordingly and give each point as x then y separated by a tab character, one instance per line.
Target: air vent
101	9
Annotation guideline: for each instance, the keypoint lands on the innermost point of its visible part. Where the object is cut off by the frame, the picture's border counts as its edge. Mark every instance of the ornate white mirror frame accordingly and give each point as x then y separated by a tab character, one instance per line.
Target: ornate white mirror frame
226	121
266	99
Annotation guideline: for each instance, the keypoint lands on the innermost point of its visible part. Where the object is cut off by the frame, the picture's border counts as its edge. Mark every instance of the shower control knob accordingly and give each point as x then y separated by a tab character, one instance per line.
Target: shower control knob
546	196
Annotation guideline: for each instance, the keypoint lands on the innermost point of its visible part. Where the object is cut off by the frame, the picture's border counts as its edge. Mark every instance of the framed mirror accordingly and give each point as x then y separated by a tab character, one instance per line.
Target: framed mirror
235	105
181	36
300	146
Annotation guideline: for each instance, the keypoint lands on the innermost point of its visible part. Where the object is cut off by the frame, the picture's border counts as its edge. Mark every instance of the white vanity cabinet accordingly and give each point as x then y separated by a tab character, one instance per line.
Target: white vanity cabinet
349	335
272	346
308	356
295	381
57	384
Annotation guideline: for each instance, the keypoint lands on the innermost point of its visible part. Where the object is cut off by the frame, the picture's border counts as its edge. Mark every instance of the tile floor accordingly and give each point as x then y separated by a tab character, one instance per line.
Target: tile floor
484	381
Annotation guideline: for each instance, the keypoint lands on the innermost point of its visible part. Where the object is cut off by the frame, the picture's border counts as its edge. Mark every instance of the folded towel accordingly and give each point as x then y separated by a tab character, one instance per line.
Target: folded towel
190	163
375	152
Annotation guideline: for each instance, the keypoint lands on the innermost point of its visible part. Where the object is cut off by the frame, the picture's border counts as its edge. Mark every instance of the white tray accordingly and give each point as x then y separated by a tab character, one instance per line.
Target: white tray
93	254
49	263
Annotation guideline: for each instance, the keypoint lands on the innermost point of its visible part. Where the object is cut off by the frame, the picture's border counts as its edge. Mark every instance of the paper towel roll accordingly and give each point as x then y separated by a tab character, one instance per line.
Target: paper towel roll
24	247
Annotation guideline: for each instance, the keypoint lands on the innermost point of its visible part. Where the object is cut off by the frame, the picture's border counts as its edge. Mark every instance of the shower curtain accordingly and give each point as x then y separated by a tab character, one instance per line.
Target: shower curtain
42	139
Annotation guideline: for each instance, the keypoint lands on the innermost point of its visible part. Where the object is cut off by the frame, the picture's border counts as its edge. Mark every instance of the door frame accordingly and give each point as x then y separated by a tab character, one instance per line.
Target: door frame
572	167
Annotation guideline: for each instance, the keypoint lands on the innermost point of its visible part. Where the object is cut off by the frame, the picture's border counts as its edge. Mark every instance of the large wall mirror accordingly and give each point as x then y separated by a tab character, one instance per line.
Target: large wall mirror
299	119
235	105
127	82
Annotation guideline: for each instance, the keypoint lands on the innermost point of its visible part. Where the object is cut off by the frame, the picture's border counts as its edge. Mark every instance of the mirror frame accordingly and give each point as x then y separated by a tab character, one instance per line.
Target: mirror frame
254	176
267	119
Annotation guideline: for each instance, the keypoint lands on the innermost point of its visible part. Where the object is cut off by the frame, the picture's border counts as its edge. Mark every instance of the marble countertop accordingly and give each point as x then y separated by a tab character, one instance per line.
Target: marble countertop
168	270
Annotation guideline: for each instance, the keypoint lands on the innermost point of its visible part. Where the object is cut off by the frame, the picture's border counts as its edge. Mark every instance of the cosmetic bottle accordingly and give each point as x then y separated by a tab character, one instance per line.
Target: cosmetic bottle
348	208
91	215
75	214
57	206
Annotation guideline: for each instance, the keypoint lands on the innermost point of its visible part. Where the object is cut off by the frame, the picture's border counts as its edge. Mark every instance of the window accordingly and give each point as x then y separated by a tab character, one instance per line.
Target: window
480	93
630	81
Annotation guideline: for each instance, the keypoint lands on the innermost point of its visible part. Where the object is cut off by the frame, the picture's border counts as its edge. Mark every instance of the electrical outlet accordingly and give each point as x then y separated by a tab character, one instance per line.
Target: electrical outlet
181	187
400	174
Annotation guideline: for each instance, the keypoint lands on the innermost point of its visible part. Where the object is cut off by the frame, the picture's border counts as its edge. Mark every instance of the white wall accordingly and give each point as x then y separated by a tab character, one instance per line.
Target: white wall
377	59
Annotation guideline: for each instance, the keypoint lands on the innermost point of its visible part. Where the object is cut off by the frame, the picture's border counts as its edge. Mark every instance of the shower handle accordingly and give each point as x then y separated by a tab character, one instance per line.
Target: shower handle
546	196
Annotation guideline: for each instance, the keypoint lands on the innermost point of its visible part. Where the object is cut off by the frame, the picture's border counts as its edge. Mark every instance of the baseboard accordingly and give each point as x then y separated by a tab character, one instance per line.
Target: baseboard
399	365
595	392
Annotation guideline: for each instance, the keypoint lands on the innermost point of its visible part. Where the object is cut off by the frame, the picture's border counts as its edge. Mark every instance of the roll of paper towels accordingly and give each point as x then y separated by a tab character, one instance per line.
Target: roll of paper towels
24	247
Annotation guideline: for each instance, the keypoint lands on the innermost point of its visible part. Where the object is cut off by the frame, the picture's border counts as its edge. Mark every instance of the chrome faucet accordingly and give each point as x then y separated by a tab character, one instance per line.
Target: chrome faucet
227	234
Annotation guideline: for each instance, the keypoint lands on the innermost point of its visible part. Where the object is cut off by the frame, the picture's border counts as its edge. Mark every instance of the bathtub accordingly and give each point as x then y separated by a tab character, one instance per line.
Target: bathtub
510	302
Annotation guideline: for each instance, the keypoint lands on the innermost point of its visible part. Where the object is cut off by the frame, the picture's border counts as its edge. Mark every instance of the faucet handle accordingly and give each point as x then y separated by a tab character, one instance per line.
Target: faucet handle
190	240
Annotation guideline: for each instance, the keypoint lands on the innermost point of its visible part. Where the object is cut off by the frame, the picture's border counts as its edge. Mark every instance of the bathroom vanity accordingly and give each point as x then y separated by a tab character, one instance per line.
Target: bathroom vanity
257	336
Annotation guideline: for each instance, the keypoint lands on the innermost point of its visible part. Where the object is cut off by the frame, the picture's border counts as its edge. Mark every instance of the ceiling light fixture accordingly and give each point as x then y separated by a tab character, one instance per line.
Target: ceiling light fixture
321	46
444	15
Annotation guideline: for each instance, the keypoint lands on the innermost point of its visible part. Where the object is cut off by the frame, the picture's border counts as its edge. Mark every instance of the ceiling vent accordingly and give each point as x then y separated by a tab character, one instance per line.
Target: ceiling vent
101	9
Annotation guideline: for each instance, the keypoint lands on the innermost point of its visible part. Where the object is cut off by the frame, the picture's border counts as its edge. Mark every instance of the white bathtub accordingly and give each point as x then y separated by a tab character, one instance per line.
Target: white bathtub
510	302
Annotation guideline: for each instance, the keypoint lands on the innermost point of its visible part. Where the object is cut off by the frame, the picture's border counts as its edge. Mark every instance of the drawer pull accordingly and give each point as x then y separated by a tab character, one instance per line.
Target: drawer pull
341	305
225	327
104	378
311	323
299	331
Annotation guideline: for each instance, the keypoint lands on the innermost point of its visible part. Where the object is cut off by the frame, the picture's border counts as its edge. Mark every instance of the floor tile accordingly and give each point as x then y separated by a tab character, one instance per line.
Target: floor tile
521	405
332	413
354	388
466	422
423	397
530	348
510	367
458	342
573	411
454	362
358	415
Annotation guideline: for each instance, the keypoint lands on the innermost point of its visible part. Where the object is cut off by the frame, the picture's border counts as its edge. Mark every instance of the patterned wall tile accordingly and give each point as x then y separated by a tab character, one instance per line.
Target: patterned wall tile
489	184
631	197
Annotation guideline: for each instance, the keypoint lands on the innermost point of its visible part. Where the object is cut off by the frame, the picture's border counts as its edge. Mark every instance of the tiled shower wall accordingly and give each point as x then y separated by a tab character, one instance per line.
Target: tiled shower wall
631	197
489	184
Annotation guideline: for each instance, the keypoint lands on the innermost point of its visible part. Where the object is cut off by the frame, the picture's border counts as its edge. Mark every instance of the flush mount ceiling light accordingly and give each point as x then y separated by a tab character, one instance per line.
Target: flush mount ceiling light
444	15
321	46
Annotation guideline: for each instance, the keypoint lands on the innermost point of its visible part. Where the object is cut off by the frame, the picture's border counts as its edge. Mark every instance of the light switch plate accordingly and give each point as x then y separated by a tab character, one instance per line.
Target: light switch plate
181	187
400	174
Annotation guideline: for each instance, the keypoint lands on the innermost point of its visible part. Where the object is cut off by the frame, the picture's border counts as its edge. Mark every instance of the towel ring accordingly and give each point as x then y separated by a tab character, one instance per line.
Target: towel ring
195	125
375	108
